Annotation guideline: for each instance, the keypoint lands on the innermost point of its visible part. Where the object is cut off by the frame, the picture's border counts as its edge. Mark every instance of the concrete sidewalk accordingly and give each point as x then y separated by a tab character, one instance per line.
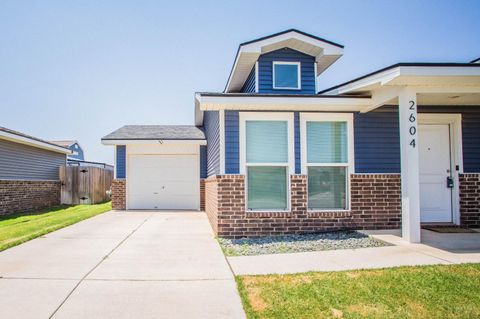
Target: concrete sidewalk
436	249
121	265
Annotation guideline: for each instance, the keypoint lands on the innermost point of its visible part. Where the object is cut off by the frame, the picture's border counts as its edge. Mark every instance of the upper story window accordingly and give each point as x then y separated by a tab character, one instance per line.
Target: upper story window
286	75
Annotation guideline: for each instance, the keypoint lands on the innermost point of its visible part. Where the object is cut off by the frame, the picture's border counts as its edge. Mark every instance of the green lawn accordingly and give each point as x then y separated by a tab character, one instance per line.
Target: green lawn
451	291
19	228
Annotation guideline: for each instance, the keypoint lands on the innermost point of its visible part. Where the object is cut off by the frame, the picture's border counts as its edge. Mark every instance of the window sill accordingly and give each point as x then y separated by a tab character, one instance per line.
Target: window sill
329	213
268	214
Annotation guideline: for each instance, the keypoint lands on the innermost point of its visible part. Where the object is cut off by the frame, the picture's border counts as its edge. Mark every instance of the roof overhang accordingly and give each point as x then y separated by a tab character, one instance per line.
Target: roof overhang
33	142
325	53
264	102
448	75
151	141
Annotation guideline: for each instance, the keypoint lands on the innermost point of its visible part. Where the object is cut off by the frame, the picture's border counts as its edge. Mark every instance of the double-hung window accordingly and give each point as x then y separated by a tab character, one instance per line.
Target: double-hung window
286	75
266	156
327	158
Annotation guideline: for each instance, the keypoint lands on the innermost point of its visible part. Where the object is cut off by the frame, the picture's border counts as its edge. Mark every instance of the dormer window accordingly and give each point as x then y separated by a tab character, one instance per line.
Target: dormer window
286	75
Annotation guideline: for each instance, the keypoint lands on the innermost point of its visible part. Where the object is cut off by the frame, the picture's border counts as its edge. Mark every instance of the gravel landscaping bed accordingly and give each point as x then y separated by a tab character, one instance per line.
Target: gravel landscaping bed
298	243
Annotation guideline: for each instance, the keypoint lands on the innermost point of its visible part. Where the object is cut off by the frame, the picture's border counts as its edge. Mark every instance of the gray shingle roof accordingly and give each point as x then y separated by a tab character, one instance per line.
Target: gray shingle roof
156	132
7	130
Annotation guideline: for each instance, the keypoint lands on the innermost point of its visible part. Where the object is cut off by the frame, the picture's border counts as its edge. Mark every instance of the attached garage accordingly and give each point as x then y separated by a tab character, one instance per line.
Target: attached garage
160	165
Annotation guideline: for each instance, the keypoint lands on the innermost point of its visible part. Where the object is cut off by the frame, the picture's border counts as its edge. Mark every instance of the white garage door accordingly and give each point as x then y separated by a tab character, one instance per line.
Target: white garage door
163	182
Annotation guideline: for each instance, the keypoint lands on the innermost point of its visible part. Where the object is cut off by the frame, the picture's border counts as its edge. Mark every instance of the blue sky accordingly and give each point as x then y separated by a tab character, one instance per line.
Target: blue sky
81	69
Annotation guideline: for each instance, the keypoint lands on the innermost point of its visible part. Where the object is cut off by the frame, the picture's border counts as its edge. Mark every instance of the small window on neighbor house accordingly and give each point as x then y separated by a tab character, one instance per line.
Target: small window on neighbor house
286	75
76	146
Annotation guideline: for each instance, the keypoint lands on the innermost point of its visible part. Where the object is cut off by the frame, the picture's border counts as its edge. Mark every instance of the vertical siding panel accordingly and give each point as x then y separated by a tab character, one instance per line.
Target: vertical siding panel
19	161
232	142
298	162
203	161
212	133
265	71
121	161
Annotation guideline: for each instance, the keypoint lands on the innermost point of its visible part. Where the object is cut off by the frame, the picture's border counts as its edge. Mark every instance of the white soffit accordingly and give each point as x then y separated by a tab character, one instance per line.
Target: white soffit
420	76
325	54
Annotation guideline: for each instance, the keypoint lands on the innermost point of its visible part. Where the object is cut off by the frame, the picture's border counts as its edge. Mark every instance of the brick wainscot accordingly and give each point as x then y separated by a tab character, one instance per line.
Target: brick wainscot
375	204
470	200
118	194
24	195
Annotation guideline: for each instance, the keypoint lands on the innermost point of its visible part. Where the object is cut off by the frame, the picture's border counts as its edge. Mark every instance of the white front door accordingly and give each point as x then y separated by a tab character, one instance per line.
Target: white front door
435	168
163	182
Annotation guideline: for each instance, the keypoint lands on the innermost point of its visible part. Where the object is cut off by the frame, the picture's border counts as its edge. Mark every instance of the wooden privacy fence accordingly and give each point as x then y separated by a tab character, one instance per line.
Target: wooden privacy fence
85	184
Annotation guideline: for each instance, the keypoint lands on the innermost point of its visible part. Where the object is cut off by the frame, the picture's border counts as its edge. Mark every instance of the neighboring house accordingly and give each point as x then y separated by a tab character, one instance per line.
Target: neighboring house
394	148
74	146
29	172
476	61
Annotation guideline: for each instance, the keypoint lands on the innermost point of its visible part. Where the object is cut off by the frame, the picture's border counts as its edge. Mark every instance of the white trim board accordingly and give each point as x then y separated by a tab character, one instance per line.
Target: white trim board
34	143
456	152
299	75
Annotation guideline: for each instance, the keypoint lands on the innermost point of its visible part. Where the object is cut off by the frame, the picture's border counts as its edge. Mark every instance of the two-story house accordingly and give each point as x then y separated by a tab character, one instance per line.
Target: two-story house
273	155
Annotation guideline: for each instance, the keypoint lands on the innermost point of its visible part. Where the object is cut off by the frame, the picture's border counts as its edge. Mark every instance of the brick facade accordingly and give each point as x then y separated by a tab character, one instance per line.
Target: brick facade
118	194
470	200
21	196
375	204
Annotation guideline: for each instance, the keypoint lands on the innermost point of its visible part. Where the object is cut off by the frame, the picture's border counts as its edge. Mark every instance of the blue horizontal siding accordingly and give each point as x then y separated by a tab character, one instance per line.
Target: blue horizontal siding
377	140
232	142
265	71
211	124
470	132
249	86
121	160
203	161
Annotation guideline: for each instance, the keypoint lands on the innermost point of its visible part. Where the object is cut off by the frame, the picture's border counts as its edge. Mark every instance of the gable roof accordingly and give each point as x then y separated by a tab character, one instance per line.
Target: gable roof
22	138
475	61
65	143
337	88
156	132
325	53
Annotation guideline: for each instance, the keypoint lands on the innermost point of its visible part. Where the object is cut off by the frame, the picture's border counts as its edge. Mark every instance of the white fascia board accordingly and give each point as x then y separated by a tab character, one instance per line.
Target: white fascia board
160	141
388	77
31	142
328	49
214	103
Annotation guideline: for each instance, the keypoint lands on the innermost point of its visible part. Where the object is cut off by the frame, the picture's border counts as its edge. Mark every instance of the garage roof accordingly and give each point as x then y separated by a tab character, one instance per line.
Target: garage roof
156	132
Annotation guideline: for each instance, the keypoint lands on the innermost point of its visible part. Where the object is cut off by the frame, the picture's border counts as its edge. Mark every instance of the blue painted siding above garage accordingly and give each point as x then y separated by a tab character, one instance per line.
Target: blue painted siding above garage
120	161
249	86
211	126
232	142
265	71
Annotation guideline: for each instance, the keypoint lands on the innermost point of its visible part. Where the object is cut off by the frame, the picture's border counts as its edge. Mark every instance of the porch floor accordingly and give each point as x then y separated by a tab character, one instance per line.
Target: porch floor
436	248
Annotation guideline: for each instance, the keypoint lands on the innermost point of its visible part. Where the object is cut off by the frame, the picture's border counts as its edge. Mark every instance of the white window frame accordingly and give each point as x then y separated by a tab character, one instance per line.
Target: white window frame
350	165
299	84
290	165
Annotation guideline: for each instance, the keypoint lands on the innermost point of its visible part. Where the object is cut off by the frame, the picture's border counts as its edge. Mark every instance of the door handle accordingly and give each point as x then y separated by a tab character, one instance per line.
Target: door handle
449	182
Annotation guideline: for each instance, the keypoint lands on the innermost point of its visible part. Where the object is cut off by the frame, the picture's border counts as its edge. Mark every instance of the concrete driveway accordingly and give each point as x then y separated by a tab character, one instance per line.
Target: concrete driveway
121	265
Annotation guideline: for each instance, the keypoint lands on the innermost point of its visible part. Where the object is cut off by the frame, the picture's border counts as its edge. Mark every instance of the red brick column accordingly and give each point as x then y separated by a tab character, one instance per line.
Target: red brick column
470	200
22	195
375	204
118	194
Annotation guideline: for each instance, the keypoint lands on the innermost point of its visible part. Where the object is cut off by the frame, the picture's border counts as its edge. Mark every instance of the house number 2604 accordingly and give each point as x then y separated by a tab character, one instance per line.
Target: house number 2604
413	128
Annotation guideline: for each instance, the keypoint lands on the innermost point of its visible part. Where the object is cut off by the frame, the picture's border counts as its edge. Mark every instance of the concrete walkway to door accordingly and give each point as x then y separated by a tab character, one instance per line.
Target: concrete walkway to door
121	265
